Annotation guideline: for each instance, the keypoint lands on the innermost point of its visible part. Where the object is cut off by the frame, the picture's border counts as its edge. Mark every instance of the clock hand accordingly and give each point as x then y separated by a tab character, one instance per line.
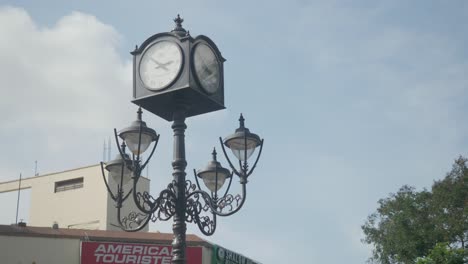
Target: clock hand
167	63
163	65
207	71
155	61
160	65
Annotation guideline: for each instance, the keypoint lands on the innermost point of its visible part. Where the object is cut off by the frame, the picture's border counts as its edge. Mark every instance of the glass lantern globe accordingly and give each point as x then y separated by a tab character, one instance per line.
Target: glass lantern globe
214	175
115	166
131	135
242	143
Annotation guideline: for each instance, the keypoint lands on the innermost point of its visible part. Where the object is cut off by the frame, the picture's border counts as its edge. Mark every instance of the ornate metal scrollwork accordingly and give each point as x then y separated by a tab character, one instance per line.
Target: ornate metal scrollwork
201	207
133	220
227	202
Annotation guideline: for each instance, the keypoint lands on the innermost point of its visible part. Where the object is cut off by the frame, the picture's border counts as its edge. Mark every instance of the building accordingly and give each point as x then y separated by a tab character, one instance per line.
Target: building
75	198
73	221
38	245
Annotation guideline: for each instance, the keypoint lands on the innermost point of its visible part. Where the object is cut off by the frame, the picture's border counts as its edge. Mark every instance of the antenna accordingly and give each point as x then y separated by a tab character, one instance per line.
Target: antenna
35	169
108	149
17	202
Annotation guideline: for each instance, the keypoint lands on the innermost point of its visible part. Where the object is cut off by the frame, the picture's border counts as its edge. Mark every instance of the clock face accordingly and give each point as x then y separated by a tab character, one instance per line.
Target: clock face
206	67
160	65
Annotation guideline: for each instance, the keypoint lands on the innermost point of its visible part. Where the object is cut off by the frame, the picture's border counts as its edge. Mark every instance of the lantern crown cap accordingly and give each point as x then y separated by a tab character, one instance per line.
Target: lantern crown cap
178	29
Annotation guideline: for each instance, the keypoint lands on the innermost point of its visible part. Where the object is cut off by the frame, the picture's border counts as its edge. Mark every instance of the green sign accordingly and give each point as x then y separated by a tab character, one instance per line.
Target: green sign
224	256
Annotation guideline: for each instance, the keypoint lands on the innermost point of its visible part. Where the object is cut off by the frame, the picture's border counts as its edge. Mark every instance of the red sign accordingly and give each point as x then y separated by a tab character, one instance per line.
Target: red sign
126	253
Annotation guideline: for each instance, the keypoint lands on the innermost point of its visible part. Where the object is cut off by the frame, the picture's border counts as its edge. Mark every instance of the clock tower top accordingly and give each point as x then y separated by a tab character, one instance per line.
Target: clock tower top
173	70
178	29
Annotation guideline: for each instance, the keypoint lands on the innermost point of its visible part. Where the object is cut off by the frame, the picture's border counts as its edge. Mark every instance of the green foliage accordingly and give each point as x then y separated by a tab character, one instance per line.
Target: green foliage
451	204
443	254
409	224
400	230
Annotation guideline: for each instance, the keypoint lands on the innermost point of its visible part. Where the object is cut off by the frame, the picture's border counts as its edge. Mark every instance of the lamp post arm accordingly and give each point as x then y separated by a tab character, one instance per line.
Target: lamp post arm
227	157
136	199
135	163
205	224
243	168
139	137
229	185
163	205
128	194
202	215
127	222
227	201
118	188
151	154
256	160
196	179
118	145
107	185
223	202
167	205
152	204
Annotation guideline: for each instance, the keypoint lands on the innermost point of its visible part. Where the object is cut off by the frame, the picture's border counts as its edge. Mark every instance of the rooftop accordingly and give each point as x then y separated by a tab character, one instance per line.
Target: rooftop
98	235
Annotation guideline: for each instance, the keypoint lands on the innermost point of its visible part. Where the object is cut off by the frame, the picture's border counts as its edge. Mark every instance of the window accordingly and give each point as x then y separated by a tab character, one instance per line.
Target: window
67	185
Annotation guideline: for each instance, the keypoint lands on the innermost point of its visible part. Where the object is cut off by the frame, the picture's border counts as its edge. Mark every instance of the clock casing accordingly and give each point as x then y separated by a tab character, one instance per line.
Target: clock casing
196	85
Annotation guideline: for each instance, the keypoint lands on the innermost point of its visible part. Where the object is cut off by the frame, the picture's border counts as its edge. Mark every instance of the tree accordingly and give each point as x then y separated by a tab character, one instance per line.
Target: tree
450	202
443	254
401	229
409	224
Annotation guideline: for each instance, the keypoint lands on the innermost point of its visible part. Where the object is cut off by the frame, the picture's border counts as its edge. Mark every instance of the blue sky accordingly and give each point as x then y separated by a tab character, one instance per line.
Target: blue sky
354	99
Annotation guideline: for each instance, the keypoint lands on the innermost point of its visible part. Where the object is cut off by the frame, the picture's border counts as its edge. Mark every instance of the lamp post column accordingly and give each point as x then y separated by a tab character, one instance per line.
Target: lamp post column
179	164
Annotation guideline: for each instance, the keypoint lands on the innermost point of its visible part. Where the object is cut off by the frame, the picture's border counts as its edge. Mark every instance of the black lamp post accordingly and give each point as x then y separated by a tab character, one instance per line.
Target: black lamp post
176	77
182	200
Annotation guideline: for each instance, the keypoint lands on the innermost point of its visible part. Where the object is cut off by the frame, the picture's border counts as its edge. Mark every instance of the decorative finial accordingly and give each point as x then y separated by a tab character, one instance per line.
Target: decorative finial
139	112
214	154
178	29
178	20
241	120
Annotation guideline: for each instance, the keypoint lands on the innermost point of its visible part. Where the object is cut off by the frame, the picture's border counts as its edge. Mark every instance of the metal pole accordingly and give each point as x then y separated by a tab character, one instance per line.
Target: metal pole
17	202
179	164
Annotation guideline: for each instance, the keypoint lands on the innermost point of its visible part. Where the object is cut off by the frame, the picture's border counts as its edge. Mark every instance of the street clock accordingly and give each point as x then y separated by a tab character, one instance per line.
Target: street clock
173	70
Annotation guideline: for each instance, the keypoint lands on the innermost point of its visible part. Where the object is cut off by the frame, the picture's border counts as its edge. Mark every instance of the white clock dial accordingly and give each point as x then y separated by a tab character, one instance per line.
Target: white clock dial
160	65
206	67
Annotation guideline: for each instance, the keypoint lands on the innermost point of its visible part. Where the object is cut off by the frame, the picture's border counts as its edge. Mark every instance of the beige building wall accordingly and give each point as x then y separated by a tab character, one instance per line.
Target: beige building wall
89	207
38	250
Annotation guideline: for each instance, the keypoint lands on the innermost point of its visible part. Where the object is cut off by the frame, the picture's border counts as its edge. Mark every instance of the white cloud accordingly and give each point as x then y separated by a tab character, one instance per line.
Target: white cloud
63	89
57	71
